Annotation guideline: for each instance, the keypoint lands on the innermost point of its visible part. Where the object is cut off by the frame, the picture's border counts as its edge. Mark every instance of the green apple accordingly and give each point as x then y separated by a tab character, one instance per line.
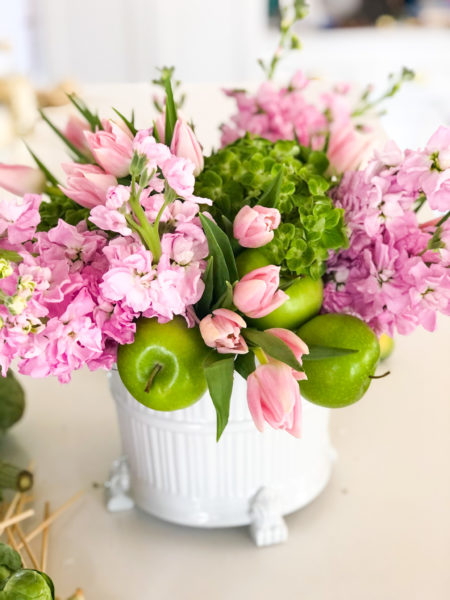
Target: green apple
386	346
342	380
304	301
249	260
163	367
305	295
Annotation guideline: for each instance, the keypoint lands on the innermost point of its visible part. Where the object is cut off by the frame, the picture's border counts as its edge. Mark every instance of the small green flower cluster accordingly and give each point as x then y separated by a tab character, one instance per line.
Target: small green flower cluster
244	171
61	207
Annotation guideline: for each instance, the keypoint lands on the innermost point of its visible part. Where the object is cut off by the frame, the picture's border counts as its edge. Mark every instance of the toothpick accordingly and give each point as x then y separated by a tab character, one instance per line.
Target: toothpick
45	532
16	519
9	511
52	517
30	552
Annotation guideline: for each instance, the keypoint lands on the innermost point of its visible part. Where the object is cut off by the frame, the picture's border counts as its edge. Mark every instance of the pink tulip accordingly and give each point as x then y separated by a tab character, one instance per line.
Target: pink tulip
253	227
75	132
297	345
257	293
273	395
160	126
185	145
112	148
21	180
87	184
348	148
222	331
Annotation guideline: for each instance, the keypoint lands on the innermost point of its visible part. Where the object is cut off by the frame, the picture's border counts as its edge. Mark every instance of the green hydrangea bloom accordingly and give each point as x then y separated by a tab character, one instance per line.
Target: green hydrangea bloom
311	225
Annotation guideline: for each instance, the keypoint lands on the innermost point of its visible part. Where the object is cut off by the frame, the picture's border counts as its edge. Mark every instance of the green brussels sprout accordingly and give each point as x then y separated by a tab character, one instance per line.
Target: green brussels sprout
10	562
12	401
27	584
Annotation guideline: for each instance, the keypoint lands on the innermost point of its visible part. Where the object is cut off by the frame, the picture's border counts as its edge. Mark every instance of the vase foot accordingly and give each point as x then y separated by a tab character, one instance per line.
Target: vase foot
117	487
267	526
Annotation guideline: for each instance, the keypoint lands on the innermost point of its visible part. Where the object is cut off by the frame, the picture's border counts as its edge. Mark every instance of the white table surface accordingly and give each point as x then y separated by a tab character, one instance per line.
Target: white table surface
380	530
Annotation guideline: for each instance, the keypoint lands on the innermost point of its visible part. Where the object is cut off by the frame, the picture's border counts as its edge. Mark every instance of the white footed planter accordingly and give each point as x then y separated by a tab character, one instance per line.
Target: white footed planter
179	473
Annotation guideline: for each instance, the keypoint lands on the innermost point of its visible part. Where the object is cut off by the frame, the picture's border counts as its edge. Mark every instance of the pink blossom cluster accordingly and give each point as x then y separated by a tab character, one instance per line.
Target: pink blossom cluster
395	274
285	113
69	296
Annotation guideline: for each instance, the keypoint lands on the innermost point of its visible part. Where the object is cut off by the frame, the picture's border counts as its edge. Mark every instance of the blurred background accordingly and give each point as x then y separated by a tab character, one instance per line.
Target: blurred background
49	46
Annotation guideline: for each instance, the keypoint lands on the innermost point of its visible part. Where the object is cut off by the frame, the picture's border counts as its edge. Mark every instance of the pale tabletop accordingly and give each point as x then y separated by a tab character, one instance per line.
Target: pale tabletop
379	531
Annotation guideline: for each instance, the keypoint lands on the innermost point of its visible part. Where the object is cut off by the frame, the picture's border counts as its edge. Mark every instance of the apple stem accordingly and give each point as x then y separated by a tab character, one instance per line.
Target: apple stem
153	373
380	376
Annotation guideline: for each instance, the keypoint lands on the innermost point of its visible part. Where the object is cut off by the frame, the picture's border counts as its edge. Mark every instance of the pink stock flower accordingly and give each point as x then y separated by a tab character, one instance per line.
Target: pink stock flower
157	153
296	344
20	180
253	227
19	217
222	330
117	196
257	293
130	281
185	145
75	132
179	173
436	186
273	395
112	148
109	220
87	184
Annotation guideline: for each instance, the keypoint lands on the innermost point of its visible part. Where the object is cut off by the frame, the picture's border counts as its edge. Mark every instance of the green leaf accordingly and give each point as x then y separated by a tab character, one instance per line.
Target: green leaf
210	228
51	178
47	580
245	364
81	157
219	377
273	346
10	255
82	108
323	352
171	112
272	194
203	306
129	124
220	270
155	132
226	299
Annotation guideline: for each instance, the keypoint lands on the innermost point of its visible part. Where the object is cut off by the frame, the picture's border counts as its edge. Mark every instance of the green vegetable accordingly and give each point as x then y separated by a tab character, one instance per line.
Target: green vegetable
12	401
14	478
10	562
27	584
290	177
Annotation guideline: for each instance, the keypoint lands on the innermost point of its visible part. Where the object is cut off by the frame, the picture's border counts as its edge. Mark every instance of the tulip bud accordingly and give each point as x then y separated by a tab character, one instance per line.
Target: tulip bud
222	331
112	148
185	144
20	180
273	395
257	293
253	227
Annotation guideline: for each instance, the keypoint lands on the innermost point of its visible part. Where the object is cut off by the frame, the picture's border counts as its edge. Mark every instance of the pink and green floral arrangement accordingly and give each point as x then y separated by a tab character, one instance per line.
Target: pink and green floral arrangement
281	256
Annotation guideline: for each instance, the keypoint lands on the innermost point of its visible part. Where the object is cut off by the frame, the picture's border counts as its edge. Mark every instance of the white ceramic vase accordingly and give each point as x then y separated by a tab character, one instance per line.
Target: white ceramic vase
181	474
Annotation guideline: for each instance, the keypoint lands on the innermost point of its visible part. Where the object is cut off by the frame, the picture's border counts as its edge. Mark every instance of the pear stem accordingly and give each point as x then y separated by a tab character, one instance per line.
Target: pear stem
380	376
153	373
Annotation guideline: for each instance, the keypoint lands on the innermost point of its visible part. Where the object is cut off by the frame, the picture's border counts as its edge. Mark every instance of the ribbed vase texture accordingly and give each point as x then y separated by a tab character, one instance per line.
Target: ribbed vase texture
181	474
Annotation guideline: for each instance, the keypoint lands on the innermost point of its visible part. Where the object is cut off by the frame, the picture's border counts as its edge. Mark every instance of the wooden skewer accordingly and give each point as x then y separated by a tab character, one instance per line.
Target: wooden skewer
16	519
27	546
45	532
9	512
51	518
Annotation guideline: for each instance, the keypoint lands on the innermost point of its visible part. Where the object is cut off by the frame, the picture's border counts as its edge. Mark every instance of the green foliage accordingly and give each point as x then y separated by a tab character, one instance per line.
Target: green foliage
219	376
12	401
61	207
291	177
